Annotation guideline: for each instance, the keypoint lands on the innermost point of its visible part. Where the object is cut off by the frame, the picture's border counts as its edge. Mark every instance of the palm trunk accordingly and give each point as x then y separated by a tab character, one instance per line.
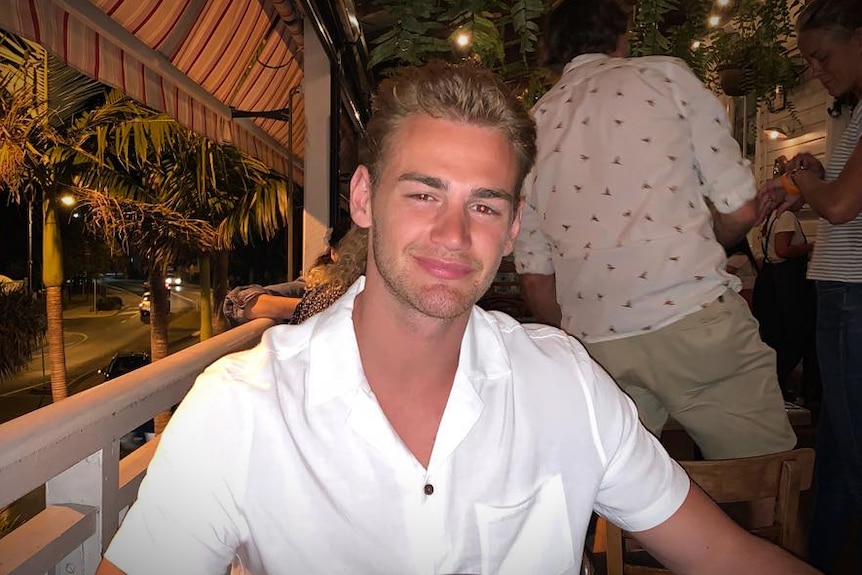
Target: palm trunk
158	327
220	288
206	298
56	352
52	277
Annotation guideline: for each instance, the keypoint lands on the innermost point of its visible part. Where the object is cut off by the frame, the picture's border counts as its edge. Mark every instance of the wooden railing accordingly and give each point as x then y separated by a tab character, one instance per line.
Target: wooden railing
72	447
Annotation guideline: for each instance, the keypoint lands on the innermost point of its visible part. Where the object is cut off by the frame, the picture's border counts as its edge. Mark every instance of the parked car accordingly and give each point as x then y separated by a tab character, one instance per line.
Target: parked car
145	305
121	364
124	362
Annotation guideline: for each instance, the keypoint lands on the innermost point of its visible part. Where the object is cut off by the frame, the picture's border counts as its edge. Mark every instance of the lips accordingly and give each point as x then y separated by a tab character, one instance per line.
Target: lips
443	269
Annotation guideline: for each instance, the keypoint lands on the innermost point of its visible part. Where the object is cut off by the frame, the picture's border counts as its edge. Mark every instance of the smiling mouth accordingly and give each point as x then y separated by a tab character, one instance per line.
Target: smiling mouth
443	269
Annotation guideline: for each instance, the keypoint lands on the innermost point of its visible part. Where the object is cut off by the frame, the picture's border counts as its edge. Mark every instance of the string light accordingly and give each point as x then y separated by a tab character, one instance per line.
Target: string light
714	20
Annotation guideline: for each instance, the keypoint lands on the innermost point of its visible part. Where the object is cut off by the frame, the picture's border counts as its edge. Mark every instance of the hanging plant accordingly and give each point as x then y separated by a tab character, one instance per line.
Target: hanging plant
749	56
427	29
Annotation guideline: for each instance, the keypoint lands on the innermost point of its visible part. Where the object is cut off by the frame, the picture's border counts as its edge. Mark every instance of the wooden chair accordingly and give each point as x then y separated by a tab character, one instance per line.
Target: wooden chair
727	481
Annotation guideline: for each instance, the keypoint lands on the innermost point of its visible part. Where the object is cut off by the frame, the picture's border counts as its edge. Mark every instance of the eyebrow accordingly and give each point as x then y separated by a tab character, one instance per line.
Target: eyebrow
439	184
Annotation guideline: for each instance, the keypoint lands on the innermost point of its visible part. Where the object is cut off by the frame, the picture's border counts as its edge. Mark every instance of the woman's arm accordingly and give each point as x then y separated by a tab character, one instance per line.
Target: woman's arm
838	201
785	250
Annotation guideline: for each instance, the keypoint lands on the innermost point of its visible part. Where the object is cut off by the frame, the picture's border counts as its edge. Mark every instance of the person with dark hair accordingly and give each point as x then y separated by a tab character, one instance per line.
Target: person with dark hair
637	187
405	430
280	301
830	40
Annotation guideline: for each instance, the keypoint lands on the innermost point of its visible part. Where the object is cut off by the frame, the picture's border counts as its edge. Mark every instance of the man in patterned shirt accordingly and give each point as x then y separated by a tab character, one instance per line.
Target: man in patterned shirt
637	185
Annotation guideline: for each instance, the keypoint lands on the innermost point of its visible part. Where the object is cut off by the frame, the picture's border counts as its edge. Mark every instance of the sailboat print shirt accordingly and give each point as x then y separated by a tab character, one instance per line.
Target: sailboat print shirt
629	151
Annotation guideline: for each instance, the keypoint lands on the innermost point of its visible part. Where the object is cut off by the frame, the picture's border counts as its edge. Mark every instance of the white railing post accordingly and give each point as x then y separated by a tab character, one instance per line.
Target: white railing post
91	482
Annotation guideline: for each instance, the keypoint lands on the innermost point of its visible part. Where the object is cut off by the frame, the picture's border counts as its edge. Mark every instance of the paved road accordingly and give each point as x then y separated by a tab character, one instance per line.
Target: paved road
91	339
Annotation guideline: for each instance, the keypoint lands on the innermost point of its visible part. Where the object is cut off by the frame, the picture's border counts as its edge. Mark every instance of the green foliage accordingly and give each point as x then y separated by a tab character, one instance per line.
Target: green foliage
755	41
648	36
22	327
426	29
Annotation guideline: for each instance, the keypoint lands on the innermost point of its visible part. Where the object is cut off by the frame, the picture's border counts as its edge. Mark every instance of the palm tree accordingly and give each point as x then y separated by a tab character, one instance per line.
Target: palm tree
190	174
159	234
33	117
237	194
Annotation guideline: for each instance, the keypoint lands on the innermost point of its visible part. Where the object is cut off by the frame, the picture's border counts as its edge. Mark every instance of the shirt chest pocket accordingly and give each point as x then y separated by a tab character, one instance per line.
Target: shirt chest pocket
530	536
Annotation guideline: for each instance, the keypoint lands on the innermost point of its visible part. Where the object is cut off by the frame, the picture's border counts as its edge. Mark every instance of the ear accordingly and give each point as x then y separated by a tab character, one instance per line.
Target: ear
514	229
360	197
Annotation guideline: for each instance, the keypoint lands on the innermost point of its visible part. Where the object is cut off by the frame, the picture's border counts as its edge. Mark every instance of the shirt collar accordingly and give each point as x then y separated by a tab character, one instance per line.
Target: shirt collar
335	367
584	59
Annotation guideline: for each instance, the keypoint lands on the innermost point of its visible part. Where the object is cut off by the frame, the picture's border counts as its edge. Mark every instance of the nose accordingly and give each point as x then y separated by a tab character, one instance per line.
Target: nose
817	71
452	228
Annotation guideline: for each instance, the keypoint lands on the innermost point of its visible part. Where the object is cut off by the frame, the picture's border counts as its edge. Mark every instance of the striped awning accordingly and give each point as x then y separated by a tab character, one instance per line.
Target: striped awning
193	59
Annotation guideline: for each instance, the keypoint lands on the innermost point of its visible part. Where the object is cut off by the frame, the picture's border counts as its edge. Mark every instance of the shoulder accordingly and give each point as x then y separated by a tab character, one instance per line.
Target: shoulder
786	221
254	369
539	352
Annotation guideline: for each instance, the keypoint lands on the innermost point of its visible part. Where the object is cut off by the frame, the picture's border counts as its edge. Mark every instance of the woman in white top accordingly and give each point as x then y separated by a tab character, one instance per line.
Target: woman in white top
784	301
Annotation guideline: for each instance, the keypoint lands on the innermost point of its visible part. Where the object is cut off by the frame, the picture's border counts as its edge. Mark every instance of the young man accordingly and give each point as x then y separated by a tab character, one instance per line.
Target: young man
404	430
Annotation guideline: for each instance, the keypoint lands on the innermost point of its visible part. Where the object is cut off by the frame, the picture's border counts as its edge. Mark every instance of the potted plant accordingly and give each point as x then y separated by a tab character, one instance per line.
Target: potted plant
749	55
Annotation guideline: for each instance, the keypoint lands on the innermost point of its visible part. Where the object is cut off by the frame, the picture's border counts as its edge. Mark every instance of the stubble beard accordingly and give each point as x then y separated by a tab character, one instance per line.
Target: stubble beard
438	300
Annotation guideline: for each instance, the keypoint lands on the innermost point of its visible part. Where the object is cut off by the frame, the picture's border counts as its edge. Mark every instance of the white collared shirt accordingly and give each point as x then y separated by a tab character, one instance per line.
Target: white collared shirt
282	457
628	150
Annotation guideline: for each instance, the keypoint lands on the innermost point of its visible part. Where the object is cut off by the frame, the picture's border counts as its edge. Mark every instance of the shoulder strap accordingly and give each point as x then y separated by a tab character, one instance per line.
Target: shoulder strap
764	237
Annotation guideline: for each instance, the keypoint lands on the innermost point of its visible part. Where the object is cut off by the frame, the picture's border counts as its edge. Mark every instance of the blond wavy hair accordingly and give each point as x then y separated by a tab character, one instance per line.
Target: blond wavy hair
464	92
352	256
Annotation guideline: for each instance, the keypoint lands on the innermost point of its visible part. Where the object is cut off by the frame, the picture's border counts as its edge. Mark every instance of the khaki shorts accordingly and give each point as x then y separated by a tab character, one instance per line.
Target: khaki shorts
712	373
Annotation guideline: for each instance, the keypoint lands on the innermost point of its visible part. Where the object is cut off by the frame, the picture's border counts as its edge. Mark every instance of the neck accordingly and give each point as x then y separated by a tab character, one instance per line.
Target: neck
400	347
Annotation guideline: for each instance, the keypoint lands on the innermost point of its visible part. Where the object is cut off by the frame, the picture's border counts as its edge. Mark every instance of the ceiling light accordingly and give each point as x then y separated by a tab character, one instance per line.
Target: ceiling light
714	20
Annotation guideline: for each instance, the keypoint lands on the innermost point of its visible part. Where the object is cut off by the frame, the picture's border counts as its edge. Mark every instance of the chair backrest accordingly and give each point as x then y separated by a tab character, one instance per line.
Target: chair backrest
782	476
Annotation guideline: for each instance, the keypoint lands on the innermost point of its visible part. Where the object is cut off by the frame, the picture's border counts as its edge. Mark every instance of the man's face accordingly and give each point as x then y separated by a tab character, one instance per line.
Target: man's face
441	214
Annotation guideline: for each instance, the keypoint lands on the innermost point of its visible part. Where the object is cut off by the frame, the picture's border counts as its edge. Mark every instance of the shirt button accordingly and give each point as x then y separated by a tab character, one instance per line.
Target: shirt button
429	489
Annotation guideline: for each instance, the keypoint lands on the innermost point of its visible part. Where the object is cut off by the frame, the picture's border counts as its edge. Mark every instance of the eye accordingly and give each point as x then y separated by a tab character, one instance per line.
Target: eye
422	197
486	209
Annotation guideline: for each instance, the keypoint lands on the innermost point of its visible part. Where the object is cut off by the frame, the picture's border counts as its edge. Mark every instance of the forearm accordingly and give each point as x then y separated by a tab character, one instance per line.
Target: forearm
699	539
756	555
748	554
830	199
271	306
540	291
793	252
731	228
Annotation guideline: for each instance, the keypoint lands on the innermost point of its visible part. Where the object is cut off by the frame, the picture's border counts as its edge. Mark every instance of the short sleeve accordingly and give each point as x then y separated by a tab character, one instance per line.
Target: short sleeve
786	222
186	519
642	486
532	251
727	176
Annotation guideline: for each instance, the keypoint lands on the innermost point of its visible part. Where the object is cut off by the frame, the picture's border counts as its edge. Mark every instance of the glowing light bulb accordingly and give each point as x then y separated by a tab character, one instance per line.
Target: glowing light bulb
714	20
695	45
463	39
